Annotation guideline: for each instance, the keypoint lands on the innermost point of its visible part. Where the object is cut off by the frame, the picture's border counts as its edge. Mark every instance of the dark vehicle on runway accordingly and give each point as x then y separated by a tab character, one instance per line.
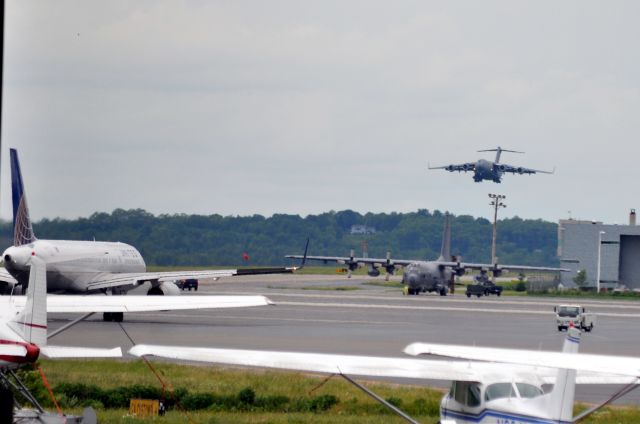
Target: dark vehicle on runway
189	283
483	287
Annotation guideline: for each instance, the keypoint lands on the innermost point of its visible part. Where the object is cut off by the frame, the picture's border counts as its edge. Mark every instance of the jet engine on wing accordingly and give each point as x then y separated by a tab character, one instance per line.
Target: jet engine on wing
164	288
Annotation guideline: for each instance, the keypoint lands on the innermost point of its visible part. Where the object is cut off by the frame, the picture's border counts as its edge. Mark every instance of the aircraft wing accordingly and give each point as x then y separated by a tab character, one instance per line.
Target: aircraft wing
316	362
130	303
501	267
583	362
108	280
463	167
79	352
369	366
521	170
347	259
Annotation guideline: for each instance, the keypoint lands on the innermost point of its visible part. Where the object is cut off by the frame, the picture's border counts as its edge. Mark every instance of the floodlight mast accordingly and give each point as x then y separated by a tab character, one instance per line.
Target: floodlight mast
600	233
496	202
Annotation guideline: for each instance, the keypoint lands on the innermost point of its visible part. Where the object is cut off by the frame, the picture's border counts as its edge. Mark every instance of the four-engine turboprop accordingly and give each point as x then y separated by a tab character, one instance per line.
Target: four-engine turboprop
491	171
425	276
86	267
506	389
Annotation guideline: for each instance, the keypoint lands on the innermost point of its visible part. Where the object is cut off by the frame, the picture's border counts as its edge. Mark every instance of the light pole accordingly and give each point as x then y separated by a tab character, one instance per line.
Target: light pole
496	202
599	259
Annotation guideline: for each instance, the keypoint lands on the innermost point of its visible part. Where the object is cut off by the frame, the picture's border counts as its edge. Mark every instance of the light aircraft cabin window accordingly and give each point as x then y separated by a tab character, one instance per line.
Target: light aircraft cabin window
466	393
498	391
528	390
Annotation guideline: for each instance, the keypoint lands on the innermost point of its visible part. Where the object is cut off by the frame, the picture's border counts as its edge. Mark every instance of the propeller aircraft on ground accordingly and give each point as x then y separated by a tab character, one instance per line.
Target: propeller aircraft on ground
425	276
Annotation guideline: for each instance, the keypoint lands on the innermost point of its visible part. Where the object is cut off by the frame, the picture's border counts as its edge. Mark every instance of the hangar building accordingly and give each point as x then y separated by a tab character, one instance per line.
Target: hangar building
619	252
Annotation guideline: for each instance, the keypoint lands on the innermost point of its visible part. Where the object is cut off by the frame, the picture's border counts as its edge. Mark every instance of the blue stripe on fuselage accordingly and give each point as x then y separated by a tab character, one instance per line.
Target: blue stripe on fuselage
500	417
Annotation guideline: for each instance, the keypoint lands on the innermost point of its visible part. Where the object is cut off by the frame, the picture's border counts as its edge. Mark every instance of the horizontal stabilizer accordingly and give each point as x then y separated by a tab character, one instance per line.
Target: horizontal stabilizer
12	350
80	352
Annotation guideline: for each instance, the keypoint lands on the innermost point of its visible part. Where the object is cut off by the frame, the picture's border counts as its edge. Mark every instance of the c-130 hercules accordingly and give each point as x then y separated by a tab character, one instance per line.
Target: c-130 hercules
425	276
490	171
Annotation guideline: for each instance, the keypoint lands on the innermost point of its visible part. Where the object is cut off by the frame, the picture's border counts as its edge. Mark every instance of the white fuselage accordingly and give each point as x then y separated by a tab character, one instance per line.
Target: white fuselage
71	265
508	399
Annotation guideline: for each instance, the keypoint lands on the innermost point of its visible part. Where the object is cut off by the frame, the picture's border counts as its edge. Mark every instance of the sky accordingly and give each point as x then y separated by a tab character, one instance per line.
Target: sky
261	107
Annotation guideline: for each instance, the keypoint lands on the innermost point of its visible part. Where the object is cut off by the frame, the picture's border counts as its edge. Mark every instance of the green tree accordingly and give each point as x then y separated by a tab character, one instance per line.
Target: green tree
581	279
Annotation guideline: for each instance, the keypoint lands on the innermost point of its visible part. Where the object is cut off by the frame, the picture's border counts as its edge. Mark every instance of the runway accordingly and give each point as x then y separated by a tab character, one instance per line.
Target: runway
372	320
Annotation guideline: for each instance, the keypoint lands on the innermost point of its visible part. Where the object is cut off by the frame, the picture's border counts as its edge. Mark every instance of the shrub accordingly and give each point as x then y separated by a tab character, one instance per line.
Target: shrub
247	396
195	401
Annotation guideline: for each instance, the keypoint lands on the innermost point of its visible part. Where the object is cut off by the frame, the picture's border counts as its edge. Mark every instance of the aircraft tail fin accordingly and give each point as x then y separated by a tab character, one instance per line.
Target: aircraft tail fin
22	229
563	393
31	322
499	151
445	251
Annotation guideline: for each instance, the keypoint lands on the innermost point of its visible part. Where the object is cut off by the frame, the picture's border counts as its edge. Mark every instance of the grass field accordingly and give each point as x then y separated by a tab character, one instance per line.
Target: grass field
352	405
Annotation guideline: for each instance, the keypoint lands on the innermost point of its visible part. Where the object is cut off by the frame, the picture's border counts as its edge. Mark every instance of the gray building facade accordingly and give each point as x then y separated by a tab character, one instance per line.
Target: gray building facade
619	252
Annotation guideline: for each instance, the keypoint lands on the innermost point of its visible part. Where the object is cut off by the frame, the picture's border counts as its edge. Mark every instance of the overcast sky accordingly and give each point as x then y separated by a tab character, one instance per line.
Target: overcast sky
239	107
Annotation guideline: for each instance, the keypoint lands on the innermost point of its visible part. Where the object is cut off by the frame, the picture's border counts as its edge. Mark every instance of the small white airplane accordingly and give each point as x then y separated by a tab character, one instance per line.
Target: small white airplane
88	267
23	336
499	386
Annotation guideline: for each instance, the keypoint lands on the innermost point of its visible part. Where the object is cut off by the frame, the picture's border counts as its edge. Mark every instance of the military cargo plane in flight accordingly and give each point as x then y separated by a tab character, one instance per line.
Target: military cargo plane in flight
87	267
425	276
491	171
490	385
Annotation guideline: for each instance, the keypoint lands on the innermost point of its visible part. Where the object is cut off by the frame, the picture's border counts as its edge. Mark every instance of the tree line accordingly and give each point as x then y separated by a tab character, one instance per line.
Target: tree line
199	240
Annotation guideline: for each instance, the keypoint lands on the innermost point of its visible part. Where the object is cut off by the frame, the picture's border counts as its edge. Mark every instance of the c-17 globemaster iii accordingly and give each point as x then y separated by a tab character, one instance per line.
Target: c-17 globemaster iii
426	276
491	171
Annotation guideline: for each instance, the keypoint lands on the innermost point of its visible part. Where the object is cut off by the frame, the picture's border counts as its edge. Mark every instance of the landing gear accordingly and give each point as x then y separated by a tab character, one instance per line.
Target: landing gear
113	316
443	291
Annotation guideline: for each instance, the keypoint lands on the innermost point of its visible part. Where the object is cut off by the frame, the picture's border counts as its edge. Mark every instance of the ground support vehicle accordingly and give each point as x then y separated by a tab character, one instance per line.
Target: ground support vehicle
574	315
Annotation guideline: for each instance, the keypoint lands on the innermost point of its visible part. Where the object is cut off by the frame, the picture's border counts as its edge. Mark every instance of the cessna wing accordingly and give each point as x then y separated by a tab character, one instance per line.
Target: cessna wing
369	366
130	303
603	364
109	280
463	167
521	170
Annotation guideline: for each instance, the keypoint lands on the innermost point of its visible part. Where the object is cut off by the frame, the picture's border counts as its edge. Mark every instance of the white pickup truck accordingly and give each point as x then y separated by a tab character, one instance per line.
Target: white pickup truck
573	314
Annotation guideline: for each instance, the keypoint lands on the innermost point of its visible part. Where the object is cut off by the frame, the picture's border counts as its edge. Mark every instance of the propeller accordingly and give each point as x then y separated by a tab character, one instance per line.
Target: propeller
352	265
389	267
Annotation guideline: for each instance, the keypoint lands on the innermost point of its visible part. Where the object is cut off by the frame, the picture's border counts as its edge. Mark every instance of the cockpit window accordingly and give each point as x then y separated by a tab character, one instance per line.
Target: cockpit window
528	390
499	390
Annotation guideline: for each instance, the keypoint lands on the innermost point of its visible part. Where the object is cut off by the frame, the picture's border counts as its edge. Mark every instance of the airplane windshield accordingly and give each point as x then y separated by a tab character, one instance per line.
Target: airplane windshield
569	311
499	390
528	390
